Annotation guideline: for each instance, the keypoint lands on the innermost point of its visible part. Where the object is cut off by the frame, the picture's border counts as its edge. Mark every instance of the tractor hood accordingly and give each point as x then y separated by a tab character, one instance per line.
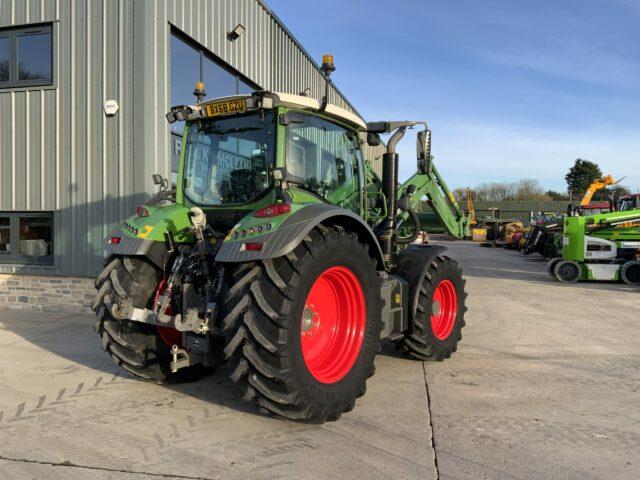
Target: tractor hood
143	234
151	223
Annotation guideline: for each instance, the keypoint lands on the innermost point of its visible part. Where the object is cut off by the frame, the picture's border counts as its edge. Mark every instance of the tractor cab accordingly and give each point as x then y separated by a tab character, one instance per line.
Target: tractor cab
239	152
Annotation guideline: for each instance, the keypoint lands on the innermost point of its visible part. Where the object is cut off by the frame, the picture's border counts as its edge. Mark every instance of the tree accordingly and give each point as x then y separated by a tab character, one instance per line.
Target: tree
557	196
462	192
494	191
524	189
613	191
581	175
528	189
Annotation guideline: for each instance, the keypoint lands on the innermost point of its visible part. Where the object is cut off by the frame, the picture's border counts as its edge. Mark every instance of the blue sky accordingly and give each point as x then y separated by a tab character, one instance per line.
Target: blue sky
511	89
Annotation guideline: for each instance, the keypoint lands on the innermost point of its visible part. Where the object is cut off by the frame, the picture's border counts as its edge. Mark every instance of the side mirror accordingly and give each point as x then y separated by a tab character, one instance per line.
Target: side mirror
373	139
423	149
292	117
161	181
283	175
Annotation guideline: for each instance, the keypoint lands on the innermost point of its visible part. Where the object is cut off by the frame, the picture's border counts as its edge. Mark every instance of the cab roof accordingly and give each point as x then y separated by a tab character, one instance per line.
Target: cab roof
270	100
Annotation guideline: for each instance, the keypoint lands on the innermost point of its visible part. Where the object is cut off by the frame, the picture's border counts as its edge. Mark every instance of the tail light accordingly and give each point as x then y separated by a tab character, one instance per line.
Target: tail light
115	240
253	247
274	210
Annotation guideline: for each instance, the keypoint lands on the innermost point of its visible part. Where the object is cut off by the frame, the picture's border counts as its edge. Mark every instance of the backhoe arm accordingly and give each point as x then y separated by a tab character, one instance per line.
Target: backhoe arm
441	200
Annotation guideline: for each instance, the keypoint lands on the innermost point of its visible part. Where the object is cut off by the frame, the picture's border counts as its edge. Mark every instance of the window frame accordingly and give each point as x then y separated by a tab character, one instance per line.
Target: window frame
183	167
206	53
359	178
14	257
13	33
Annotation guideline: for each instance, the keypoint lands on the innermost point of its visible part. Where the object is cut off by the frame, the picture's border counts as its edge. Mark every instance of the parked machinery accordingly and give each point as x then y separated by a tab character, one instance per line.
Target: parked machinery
599	247
279	253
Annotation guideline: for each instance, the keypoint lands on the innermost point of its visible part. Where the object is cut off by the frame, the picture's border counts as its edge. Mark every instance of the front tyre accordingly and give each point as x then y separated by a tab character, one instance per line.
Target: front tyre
303	330
568	271
551	267
437	323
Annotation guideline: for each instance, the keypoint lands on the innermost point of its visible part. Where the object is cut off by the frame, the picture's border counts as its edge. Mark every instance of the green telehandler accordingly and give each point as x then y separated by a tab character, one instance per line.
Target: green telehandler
278	253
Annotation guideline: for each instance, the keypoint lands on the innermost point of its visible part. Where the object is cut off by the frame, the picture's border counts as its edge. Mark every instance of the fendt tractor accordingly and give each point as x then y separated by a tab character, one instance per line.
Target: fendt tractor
278	253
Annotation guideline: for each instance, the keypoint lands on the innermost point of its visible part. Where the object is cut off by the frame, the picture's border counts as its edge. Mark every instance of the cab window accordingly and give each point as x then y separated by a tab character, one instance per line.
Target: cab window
326	155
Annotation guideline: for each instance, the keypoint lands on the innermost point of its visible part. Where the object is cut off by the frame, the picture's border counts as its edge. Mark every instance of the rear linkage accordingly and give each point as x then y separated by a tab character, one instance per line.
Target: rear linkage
191	270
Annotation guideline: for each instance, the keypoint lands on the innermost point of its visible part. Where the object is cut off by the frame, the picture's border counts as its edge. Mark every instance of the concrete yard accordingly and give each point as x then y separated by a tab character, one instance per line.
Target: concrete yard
545	384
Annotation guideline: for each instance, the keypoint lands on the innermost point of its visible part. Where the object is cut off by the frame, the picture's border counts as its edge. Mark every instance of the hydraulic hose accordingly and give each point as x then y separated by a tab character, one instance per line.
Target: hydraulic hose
416	231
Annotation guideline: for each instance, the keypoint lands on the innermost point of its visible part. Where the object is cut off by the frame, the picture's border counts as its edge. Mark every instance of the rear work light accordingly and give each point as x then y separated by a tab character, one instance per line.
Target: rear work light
273	210
142	211
115	240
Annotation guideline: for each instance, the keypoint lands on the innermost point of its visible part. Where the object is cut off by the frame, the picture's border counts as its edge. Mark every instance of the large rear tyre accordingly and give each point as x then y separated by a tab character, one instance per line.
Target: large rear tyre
437	324
140	349
303	330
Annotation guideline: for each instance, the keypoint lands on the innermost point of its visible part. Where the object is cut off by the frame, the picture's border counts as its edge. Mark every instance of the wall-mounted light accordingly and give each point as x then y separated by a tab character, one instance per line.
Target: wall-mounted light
236	32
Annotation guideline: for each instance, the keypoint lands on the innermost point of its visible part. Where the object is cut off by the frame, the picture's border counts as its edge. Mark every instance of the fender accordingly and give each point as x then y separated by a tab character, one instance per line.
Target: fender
413	263
132	246
294	229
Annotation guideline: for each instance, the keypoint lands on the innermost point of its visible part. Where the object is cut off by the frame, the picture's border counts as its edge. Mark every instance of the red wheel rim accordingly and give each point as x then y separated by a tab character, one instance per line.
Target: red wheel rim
333	325
444	309
169	335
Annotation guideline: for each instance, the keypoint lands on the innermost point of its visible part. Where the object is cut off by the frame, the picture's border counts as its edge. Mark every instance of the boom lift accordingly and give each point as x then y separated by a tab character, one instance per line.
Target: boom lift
600	247
279	253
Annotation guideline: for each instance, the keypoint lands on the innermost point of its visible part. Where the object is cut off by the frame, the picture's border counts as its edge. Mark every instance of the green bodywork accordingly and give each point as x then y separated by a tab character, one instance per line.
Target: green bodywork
174	217
607	226
447	214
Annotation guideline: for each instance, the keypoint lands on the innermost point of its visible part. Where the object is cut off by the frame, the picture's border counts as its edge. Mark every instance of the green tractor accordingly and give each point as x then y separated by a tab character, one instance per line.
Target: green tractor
603	247
278	253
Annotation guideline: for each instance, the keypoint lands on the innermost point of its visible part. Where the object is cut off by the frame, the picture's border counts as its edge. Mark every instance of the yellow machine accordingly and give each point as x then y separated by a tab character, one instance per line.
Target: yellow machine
470	209
597	185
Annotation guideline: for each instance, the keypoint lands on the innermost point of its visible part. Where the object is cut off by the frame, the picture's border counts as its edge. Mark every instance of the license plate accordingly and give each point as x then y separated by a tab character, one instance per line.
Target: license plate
226	108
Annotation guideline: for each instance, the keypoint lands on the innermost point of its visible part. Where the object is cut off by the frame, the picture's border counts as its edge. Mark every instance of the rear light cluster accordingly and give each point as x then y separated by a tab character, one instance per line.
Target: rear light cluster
253	247
274	210
115	240
252	230
130	228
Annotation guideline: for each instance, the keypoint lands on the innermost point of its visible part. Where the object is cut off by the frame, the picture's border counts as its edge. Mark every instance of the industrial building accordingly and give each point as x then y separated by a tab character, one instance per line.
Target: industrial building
84	89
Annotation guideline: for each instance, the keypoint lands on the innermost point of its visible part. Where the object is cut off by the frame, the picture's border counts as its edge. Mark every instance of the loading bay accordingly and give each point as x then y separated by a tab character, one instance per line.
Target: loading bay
544	385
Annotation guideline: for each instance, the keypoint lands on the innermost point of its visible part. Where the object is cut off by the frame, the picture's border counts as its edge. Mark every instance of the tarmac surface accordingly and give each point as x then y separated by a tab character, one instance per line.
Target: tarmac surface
545	384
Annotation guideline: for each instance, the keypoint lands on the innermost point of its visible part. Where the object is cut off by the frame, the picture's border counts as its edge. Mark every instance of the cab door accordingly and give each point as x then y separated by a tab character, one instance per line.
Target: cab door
327	156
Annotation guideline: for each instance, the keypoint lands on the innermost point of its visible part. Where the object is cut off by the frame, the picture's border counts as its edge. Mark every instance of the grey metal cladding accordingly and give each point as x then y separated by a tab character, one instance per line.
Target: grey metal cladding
58	150
291	233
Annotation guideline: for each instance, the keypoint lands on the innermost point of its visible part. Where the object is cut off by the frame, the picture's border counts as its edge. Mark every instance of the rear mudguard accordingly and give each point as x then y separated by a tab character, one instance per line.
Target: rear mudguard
283	239
132	246
413	263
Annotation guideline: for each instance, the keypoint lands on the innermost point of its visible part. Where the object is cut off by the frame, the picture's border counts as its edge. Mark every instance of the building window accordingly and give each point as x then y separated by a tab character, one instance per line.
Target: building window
190	63
5	236
26	238
26	56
